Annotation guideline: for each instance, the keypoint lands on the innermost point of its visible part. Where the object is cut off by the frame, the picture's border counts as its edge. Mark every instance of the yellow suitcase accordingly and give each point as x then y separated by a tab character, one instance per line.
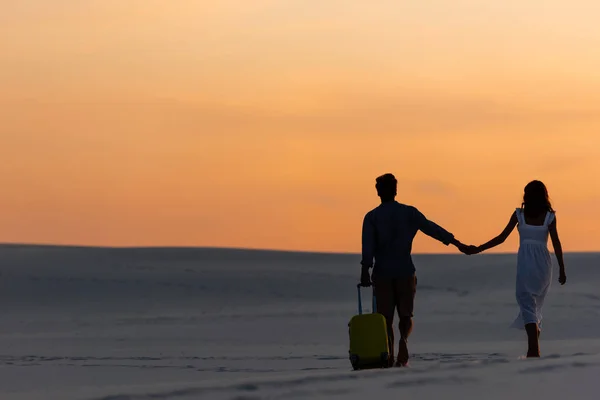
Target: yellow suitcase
369	347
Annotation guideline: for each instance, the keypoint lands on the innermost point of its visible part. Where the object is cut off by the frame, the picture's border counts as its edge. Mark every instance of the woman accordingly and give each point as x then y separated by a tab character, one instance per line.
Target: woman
536	220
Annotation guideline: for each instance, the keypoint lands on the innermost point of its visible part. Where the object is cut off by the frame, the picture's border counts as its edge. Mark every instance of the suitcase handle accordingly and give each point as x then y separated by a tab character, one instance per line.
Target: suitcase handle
374	304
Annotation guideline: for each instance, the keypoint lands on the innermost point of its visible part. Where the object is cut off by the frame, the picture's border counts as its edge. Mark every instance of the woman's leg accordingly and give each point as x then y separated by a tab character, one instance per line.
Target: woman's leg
527	303
533	335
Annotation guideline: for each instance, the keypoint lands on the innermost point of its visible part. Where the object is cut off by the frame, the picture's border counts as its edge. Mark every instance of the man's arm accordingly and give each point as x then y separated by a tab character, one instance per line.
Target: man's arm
433	230
368	250
368	242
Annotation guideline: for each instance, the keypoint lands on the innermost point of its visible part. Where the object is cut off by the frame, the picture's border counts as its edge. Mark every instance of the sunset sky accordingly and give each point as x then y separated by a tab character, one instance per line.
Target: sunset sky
263	123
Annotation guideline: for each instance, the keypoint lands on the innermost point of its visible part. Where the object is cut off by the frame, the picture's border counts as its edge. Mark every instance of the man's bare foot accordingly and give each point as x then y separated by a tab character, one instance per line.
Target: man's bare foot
402	359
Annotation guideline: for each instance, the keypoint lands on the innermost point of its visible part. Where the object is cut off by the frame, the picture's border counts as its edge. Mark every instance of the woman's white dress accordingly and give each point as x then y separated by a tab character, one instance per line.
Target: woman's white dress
534	270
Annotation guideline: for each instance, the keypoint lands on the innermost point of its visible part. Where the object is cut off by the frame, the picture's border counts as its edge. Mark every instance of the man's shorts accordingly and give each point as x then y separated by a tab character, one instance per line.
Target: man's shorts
395	294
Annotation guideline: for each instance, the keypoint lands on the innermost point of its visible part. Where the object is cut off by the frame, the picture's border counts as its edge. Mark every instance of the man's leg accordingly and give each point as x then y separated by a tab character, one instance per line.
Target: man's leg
386	305
405	292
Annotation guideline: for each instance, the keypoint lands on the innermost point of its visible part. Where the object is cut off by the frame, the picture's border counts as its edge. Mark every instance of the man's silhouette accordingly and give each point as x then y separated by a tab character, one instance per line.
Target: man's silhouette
387	236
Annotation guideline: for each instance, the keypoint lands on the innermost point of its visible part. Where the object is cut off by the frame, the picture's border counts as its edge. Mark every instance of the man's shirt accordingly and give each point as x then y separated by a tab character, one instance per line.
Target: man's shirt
387	237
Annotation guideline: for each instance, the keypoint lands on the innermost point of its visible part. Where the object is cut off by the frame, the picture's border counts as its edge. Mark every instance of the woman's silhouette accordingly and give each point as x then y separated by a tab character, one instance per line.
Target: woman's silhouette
536	220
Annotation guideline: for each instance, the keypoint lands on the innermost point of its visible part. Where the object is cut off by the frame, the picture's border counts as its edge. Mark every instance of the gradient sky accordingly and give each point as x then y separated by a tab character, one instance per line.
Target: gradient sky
263	123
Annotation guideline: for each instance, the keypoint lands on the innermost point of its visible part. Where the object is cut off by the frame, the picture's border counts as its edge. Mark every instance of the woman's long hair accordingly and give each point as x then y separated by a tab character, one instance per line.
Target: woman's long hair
536	200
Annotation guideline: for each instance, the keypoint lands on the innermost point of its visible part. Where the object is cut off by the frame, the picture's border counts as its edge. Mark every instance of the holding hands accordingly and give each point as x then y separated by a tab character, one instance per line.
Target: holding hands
469	249
472	250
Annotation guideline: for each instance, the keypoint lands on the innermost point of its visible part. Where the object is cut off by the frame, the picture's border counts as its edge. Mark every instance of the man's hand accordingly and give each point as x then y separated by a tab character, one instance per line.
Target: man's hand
473	250
365	278
468	250
463	248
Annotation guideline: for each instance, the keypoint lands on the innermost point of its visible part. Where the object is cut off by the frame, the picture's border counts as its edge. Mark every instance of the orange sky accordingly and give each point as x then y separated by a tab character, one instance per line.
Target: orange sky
263	123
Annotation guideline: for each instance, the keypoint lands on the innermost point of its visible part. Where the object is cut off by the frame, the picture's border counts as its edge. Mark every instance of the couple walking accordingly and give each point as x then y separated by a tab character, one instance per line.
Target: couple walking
387	236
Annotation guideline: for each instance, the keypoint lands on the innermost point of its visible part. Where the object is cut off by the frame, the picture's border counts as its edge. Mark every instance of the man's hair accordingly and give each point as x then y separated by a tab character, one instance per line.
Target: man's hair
386	185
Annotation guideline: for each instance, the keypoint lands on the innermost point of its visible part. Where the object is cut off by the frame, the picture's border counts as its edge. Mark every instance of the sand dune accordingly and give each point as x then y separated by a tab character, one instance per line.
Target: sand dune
179	323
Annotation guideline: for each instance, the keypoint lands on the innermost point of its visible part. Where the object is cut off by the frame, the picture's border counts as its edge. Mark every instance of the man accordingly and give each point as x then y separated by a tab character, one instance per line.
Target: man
387	236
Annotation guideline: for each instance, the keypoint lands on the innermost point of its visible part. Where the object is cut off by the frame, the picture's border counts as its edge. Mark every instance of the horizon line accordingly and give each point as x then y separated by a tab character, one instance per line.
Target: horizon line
231	248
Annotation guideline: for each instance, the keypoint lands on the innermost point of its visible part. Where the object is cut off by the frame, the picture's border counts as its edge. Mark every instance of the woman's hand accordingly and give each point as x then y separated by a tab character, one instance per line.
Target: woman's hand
562	279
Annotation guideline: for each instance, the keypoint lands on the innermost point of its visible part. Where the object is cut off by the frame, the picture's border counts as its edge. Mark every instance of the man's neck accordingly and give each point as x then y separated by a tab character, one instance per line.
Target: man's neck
383	201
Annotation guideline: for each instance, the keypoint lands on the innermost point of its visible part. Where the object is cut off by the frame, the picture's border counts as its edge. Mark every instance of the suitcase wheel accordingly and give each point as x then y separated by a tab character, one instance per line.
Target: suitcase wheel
354	361
385	360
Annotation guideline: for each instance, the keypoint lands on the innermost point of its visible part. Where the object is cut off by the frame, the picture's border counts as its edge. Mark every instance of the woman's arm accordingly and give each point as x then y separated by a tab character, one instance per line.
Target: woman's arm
501	237
558	251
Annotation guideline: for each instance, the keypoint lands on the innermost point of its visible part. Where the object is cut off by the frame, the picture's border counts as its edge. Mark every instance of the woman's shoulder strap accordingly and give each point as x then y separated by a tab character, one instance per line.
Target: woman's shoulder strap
549	218
519	214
